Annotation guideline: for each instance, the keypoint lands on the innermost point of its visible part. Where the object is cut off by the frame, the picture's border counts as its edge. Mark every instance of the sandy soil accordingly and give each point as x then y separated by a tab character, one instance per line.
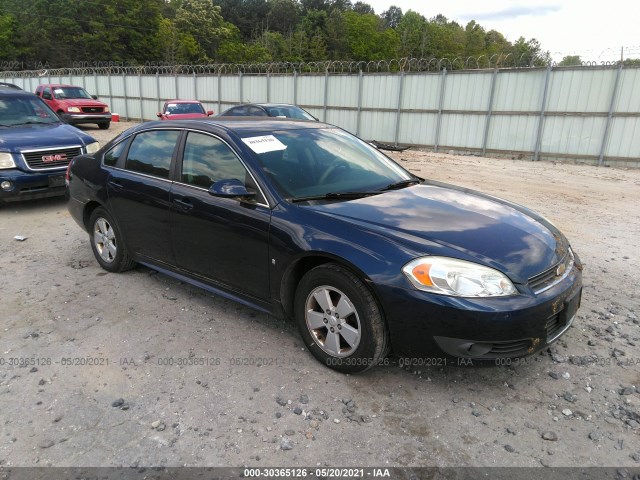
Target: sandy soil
138	369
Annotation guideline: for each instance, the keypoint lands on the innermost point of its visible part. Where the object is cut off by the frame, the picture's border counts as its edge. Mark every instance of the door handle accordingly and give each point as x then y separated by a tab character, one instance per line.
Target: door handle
185	205
115	184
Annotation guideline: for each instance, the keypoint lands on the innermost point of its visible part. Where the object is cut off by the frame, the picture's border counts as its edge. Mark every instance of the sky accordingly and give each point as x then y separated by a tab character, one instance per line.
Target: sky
595	30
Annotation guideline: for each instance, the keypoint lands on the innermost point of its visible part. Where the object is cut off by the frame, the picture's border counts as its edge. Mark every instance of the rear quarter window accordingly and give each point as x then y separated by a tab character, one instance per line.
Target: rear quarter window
151	152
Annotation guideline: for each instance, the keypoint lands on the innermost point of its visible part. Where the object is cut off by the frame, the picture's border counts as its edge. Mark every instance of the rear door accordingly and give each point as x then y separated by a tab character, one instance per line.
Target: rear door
139	195
222	240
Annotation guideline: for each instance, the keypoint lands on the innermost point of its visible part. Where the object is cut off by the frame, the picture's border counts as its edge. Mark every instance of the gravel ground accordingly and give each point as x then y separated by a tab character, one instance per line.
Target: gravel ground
138	369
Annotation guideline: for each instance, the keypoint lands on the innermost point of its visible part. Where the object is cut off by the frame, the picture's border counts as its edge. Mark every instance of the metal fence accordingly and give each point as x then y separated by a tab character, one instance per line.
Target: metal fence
589	114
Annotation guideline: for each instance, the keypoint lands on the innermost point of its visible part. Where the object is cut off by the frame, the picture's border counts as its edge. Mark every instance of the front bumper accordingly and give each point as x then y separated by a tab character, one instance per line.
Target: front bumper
76	118
421	324
32	185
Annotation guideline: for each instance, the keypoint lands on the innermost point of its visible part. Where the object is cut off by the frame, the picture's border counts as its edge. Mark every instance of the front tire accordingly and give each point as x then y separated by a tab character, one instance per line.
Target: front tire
104	125
339	319
107	244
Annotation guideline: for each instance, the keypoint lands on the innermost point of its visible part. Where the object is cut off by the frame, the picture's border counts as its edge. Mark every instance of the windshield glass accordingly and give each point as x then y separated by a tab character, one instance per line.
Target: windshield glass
184	108
316	162
24	110
71	93
289	112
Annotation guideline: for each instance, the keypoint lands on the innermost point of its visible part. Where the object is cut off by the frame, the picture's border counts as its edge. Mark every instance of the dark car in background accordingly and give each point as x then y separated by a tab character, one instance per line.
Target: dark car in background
304	220
183	110
281	110
35	146
74	104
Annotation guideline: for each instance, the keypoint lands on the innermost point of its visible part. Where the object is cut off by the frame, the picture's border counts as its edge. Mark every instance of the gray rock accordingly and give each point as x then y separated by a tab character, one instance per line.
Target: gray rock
554	375
281	401
627	391
618	353
632	423
550	436
476	413
297	411
636	456
570	397
46	443
304	399
286	444
509	448
278	414
118	403
289	433
595	436
33	369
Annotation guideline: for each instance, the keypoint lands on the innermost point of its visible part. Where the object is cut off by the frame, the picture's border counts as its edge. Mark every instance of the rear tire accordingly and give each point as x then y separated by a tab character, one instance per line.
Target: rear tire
107	244
104	125
339	319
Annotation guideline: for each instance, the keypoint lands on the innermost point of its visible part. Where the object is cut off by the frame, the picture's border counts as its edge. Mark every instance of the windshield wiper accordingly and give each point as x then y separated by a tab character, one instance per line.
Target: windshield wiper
401	184
30	123
334	196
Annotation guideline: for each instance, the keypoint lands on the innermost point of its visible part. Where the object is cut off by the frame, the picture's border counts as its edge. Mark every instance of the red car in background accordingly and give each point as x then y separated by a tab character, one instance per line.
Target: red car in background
74	105
183	110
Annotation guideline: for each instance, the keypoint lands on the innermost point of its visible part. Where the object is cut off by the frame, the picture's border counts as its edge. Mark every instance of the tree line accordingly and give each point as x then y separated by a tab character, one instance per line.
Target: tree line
59	33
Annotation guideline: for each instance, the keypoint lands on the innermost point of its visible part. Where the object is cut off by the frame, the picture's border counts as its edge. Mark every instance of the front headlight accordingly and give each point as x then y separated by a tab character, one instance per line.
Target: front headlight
450	276
93	147
6	161
73	110
106	110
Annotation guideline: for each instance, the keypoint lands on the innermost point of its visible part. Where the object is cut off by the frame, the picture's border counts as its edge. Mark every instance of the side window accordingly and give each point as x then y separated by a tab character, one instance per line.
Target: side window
207	160
257	112
238	112
151	152
112	156
46	93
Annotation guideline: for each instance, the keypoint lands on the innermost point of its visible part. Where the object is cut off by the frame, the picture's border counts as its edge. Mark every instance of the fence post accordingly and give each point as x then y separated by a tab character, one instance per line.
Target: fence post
295	86
268	87
140	93
219	92
326	94
241	92
489	112
536	155
110	89
439	121
398	111
175	82
126	97
195	85
612	104
158	91
95	81
360	77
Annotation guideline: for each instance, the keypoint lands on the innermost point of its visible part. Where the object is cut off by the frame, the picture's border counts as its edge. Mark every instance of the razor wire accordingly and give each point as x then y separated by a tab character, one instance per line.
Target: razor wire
407	65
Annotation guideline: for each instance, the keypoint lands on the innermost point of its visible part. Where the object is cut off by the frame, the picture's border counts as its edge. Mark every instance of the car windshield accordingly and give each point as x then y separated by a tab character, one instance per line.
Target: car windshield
325	163
24	110
70	93
182	108
289	112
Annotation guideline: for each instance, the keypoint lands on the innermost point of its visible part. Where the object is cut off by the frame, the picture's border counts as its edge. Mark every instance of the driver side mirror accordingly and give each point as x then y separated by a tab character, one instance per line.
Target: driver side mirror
231	188
209	113
95	97
46	96
159	114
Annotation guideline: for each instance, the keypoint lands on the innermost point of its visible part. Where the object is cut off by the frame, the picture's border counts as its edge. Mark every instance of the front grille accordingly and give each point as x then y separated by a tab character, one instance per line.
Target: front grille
550	277
553	326
50	158
516	348
92	109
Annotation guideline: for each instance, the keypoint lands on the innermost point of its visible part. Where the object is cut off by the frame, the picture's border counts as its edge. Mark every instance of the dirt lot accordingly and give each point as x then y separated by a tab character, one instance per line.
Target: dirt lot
138	369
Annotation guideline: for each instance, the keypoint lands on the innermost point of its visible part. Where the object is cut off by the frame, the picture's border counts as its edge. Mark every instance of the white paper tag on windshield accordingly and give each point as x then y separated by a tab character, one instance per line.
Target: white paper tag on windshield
264	144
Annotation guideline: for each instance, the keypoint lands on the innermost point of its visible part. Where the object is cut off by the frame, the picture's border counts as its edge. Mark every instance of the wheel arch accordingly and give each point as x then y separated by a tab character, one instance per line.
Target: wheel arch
298	268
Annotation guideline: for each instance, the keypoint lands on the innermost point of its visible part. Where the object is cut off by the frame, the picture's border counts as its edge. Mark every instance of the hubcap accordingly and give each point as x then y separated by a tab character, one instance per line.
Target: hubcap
105	240
333	321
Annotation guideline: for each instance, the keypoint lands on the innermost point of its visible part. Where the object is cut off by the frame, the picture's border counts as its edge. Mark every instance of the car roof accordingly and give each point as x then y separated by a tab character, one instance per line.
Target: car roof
15	92
182	101
12	86
240	125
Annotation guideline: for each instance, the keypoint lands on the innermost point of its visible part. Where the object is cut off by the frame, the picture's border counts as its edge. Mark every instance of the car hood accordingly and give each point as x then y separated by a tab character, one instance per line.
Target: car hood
87	102
17	139
469	225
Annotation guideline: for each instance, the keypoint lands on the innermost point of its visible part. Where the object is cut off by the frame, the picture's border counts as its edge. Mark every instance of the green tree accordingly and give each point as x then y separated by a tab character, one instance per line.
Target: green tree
570	60
366	40
283	15
529	53
201	21
8	50
392	16
363	8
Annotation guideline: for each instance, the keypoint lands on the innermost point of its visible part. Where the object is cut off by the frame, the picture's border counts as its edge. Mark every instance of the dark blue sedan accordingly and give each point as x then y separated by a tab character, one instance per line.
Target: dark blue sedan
304	220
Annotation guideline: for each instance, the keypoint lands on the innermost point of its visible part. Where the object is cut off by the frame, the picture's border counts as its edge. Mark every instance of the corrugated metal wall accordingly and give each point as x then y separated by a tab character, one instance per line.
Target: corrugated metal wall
588	114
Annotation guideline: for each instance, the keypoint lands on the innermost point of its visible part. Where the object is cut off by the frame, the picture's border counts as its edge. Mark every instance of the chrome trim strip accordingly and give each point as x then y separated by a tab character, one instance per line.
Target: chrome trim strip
48	169
566	273
559	334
